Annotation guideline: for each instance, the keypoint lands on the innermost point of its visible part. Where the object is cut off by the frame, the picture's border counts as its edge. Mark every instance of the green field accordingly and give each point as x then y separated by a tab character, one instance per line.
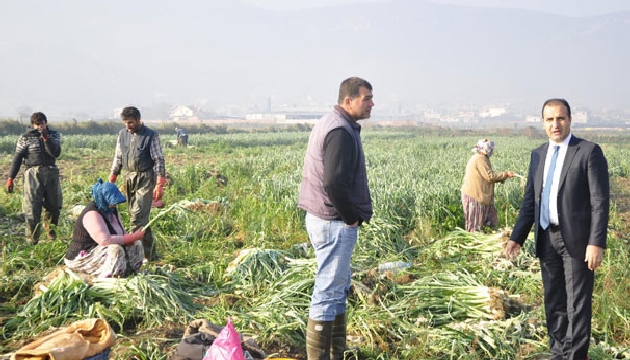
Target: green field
459	299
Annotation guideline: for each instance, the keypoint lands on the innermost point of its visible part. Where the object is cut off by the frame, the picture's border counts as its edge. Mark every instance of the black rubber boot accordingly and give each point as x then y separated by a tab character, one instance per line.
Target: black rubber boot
318	339
338	349
338	341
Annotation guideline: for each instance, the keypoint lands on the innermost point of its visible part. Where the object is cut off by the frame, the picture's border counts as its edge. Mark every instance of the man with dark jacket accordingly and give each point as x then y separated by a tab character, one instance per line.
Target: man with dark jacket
336	197
567	200
39	150
139	153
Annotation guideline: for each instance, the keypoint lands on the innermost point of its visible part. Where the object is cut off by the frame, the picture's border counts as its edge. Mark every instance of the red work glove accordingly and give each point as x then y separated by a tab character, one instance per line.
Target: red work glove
9	185
159	188
112	178
133	237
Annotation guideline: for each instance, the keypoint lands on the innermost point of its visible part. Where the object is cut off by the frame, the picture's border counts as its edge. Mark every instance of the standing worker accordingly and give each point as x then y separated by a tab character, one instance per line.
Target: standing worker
39	150
139	153
182	137
567	200
478	188
336	197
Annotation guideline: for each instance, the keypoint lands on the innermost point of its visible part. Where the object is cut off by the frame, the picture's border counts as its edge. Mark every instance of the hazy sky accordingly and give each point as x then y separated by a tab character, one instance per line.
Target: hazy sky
77	58
562	7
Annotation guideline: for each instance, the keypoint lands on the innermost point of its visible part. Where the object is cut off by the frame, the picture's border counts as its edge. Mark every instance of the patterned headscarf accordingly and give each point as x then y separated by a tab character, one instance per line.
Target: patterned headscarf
106	194
484	146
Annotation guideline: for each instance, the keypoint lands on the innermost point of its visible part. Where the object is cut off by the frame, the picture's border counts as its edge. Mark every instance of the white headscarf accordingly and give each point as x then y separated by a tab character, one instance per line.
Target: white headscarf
484	146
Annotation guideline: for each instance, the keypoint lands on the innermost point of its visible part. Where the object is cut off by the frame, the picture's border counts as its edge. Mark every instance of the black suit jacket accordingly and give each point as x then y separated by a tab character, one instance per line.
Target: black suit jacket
583	198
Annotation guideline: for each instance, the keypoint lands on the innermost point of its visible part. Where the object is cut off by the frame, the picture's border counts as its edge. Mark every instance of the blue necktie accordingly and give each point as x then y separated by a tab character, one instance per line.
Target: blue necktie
544	204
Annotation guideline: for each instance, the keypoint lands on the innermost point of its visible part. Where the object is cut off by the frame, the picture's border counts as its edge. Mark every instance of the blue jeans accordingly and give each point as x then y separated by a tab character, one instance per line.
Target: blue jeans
333	242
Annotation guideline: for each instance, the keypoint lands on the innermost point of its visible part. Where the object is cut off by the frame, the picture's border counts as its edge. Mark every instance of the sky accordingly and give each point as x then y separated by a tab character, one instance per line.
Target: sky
83	59
562	7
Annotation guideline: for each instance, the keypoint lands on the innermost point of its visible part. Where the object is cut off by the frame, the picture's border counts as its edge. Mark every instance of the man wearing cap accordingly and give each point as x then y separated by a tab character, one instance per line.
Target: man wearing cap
139	153
39	150
100	245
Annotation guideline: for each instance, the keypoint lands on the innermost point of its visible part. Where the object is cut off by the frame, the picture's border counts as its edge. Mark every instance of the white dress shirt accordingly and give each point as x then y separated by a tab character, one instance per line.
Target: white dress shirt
553	195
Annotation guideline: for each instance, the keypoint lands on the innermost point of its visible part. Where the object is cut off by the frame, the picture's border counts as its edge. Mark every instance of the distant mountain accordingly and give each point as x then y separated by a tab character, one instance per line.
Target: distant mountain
83	57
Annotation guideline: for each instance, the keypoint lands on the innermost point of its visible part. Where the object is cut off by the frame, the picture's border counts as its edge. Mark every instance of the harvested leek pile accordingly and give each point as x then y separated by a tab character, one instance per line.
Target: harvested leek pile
491	339
446	297
277	310
254	267
461	245
179	207
150	299
443	304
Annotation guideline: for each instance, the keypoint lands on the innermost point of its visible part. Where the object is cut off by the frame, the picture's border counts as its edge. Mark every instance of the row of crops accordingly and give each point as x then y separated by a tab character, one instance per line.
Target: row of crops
244	253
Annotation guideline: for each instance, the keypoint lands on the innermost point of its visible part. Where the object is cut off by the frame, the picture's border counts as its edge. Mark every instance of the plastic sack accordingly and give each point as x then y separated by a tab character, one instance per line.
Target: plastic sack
227	346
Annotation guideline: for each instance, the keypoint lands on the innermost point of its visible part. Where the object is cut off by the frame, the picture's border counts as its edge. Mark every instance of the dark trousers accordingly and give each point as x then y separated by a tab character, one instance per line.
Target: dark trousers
41	189
568	298
139	192
183	140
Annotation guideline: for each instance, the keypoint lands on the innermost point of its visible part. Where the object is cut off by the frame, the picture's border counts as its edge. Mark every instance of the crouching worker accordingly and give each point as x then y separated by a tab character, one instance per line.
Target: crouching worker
100	246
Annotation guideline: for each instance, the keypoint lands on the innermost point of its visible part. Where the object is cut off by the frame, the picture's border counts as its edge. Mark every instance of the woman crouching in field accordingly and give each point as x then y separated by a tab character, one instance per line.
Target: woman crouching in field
100	246
478	188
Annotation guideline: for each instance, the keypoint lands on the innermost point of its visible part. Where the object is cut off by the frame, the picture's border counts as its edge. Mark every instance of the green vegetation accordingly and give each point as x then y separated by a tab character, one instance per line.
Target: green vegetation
243	252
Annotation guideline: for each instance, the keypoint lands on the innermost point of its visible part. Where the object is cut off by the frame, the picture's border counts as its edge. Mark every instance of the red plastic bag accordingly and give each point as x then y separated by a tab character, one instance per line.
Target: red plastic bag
227	346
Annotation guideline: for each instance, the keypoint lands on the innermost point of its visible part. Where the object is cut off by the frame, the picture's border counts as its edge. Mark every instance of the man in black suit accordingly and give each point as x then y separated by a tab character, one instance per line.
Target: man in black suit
569	209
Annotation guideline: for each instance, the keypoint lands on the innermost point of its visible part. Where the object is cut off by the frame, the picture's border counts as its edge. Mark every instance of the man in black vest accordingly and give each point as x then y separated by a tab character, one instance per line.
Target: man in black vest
139	153
336	197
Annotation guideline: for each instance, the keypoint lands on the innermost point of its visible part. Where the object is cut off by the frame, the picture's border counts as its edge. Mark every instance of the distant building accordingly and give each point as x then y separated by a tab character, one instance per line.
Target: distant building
396	123
533	118
492	112
580	117
286	117
430	115
466	115
181	112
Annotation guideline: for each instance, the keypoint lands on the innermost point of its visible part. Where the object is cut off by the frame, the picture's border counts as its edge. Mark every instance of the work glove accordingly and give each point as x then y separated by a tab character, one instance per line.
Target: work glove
10	185
133	237
158	192
112	178
45	133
